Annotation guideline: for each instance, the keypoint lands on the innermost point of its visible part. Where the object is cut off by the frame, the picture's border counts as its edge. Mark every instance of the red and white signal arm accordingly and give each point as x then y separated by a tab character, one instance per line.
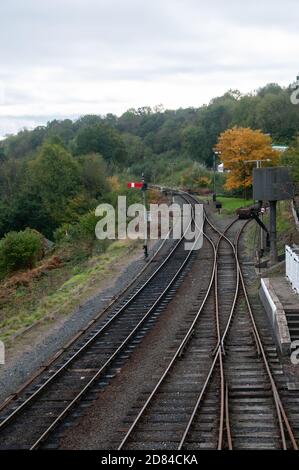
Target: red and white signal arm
135	185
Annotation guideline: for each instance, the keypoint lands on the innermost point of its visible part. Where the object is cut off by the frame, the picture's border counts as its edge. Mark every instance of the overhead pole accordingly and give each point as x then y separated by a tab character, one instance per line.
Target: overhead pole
143	186
215	155
143	189
273	233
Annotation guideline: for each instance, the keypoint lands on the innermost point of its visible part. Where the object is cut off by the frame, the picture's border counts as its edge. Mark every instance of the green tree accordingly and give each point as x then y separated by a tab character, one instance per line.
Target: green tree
103	139
276	115
291	158
54	175
195	142
93	174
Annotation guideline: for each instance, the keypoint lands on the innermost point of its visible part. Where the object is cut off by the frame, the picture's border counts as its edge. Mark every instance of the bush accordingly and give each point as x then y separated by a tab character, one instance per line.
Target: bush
84	229
196	176
20	250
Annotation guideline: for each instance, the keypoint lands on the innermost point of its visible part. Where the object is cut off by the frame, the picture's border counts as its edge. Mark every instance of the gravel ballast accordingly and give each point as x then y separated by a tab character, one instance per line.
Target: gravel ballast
18	370
102	424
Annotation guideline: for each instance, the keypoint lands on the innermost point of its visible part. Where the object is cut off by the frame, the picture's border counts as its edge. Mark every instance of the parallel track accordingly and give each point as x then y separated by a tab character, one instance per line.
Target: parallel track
90	363
221	388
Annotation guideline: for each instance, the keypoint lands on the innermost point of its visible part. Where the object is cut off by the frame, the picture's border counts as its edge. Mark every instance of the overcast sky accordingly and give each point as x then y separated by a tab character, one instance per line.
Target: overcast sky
66	58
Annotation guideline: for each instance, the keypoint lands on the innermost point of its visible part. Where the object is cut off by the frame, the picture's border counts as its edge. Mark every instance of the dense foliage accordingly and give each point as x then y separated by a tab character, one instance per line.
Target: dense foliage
53	175
20	250
240	149
291	158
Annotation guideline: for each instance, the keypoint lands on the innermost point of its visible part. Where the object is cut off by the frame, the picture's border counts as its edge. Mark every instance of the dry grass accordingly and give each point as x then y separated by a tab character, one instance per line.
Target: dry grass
56	287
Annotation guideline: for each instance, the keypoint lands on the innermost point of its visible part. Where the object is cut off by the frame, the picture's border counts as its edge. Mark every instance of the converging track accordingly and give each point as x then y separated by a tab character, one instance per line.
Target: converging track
222	387
218	390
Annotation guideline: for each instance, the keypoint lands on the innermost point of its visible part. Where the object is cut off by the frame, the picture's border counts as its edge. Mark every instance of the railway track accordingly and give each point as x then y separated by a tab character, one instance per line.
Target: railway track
222	387
92	359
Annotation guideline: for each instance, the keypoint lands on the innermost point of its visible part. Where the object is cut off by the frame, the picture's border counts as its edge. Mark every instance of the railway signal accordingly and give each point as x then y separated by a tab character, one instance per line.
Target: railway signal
216	154
136	185
143	186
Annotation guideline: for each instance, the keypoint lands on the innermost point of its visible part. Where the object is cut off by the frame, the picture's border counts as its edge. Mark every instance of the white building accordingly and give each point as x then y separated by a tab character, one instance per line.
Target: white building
280	148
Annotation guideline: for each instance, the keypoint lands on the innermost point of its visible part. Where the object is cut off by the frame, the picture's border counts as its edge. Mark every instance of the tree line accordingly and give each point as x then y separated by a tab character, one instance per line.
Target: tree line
55	173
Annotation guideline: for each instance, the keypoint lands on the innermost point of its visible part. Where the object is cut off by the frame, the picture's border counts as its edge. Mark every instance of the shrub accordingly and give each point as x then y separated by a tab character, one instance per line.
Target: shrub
196	176
20	250
84	229
204	182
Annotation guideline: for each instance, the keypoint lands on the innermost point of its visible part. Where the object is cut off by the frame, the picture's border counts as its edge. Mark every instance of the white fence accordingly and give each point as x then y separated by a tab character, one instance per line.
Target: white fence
2	353
292	266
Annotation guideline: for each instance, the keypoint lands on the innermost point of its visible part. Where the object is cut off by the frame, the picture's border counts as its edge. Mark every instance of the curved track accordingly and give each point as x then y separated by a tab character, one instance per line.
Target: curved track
218	391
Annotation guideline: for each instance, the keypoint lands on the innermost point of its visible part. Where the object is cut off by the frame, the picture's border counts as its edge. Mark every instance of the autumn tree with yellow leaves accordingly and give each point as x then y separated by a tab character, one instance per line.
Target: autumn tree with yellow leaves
238	149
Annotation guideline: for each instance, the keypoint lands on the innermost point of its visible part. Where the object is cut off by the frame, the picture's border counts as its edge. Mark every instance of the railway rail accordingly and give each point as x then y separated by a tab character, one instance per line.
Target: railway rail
220	388
92	359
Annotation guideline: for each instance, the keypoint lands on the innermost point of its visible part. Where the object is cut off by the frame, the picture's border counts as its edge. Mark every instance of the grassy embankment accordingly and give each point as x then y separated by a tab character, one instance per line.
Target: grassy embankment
231	204
72	272
59	291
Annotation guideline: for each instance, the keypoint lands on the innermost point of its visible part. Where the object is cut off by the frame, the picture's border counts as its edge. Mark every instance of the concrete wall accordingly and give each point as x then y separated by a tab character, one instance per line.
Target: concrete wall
276	315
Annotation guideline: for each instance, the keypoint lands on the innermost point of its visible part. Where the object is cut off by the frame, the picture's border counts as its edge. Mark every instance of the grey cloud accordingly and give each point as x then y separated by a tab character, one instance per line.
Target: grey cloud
50	46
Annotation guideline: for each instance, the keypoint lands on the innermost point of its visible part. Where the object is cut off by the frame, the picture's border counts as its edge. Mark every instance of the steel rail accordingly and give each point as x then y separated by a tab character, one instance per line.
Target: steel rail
213	280
174	357
281	414
64	366
227	419
218	352
116	353
82	331
273	385
218	357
